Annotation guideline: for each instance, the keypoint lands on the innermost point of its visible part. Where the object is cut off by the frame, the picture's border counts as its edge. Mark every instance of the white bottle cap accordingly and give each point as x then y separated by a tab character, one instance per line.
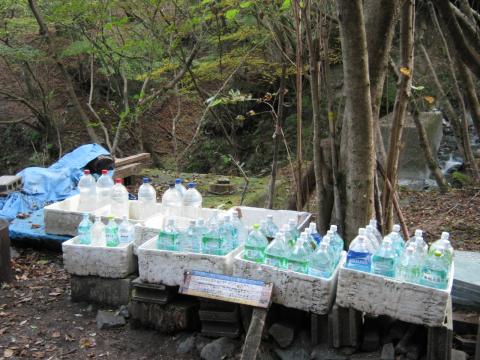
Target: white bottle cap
330	232
333	228
396	228
445	235
270	217
312	226
418	232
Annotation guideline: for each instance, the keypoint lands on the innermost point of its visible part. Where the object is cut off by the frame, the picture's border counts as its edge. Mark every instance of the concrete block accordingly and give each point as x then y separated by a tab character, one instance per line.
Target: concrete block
292	289
440	338
104	261
154	293
9	183
94	289
178	315
167	267
378	295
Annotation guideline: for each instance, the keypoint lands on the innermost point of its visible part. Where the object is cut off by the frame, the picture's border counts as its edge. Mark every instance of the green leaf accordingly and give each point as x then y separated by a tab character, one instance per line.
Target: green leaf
231	14
418	88
286	5
246	4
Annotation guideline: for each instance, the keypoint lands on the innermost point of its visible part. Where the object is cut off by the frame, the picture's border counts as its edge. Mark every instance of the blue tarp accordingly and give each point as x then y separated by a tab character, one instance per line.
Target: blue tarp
33	228
43	186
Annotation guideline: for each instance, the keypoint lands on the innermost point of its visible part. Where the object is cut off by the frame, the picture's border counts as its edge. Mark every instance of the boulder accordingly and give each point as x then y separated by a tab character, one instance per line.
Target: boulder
108	320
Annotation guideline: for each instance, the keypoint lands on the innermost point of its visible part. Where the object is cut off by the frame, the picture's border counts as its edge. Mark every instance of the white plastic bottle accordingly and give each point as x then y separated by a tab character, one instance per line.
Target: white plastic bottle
192	197
119	200
179	187
171	201
104	188
125	231
98	232
88	195
147	196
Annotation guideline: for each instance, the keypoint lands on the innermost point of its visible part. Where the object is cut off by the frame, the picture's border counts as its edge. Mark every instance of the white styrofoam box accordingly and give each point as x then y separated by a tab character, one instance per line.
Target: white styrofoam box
103	261
167	267
182	215
292	289
379	295
253	215
63	217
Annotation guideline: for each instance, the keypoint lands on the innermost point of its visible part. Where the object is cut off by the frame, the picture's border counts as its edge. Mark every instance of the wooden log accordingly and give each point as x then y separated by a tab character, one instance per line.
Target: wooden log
143	158
128	170
5	267
254	334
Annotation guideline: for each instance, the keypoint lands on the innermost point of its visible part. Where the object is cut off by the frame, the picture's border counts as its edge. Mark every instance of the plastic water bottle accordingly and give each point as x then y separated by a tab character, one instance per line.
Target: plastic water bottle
270	228
192	197
322	262
289	240
383	261
408	266
119	200
214	219
242	232
298	258
332	246
168	237
190	240
84	230
374	230
171	199
292	226
98	232
212	242
125	231
179	187
310	244
88	194
314	233
200	227
111	233
255	245
147	196
336	241
420	246
231	232
359	256
397	240
276	251
443	245
435	271
372	237
104	188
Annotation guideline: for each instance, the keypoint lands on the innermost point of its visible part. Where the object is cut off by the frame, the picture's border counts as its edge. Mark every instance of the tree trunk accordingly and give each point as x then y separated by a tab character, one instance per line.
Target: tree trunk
307	186
427	152
360	160
299	67
66	76
400	107
471	94
277	136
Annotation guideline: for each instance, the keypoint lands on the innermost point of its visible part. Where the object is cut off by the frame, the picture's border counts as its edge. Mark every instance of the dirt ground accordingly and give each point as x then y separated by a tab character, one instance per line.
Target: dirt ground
38	320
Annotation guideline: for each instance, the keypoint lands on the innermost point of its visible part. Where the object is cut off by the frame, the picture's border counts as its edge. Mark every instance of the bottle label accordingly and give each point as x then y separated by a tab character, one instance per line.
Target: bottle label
359	260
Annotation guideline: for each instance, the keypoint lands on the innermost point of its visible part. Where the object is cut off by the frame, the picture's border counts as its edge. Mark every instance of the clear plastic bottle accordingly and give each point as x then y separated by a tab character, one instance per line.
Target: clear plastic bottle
171	198
192	197
190	240
147	196
255	245
435	271
359	256
263	228
168	236
231	232
421	247
242	232
332	246
378	236
214	219
85	230
125	231
104	189
298	259
179	187
98	232
271	228
314	233
443	245
322	262
337	242
276	251
201	228
111	233
289	240
397	240
408	266
119	200
372	237
88	192
383	261
213	242
310	244
292	226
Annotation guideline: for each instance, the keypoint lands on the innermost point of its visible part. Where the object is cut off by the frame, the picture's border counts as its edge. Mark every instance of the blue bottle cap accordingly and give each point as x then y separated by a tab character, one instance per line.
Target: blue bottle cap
146	180
191	185
178	181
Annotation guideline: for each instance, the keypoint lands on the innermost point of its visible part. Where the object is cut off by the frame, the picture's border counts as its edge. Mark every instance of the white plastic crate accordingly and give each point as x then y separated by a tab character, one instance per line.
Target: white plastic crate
290	288
167	267
103	261
379	295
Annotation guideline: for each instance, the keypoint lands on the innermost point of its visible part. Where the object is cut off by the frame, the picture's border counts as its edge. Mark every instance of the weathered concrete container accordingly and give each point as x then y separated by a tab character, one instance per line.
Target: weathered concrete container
379	295
108	262
292	289
167	267
253	215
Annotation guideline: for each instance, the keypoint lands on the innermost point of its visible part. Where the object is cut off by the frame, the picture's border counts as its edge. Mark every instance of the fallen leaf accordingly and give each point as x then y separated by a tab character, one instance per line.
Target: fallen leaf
7	353
86	343
23	322
56	334
54	294
38	354
3	330
69	338
429	99
405	71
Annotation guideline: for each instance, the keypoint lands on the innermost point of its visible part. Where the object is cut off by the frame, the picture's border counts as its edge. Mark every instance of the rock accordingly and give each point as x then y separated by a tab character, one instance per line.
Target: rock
200	342
388	352
219	349
108	320
186	345
459	355
282	333
123	311
324	352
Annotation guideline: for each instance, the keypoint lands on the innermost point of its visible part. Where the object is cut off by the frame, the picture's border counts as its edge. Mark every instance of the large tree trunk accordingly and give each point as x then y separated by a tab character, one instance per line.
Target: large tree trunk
471	95
361	152
66	76
400	107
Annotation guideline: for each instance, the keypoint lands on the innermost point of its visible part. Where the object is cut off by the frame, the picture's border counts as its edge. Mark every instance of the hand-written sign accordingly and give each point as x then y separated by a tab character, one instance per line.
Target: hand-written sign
227	288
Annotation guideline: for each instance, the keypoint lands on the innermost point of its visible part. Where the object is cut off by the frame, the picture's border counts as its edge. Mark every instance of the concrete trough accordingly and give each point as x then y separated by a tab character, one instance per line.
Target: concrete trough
107	262
292	289
379	295
253	215
167	267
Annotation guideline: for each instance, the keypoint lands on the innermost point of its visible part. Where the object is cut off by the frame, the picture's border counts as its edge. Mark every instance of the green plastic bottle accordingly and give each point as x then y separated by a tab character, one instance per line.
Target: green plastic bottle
168	237
435	271
276	251
254	248
299	258
111	233
444	246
